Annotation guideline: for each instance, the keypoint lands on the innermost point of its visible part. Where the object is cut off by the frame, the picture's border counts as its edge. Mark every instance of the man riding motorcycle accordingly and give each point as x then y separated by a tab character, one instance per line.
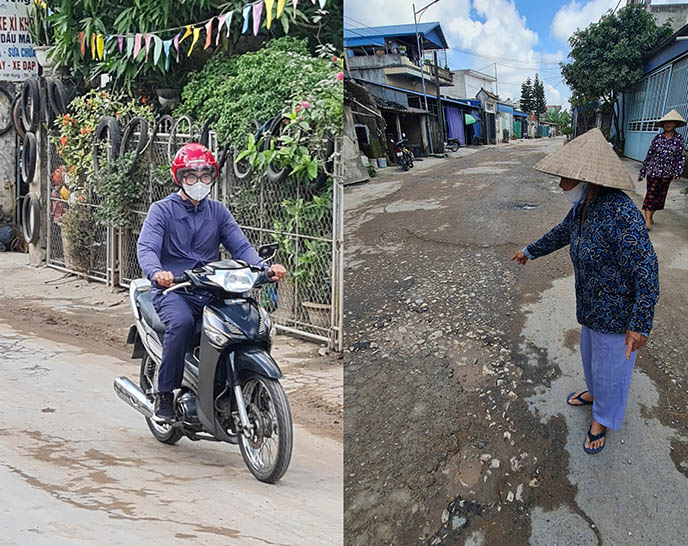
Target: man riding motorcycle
184	231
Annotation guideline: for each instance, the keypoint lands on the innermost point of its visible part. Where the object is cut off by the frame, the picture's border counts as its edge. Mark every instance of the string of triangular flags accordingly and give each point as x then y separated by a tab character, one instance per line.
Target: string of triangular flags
136	44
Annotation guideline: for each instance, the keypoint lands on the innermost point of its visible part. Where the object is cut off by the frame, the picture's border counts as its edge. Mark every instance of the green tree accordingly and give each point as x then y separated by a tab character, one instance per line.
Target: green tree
527	95
607	56
539	101
560	118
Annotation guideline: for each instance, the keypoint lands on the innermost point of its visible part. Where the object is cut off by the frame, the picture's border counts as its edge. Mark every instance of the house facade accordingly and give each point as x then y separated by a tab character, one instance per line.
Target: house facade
407	86
663	87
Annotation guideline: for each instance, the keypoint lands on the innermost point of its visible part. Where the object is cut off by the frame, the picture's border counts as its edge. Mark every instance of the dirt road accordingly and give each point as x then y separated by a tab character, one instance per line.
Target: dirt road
456	430
81	466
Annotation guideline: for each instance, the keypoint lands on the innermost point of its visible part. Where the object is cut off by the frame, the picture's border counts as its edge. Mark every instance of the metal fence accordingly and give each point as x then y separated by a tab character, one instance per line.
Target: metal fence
308	227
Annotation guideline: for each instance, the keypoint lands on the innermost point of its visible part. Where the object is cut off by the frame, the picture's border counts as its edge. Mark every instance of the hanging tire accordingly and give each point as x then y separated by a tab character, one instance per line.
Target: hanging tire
205	131
242	168
57	97
223	156
130	133
166	434
31	218
172	145
29	158
31	105
276	176
164	124
17	121
107	130
6	118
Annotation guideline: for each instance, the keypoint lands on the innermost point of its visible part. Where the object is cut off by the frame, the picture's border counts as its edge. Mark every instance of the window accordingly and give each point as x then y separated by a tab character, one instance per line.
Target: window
646	101
362	133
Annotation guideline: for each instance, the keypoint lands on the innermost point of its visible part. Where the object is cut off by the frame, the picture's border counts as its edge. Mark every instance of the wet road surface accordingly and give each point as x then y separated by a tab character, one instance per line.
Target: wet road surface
79	467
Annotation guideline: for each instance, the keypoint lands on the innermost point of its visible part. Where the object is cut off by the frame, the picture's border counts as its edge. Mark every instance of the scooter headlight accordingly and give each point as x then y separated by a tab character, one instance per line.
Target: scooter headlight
215	329
234	280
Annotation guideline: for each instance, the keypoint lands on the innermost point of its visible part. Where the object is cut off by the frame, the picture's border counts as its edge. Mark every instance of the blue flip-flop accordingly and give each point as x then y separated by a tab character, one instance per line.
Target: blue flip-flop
579	398
593	438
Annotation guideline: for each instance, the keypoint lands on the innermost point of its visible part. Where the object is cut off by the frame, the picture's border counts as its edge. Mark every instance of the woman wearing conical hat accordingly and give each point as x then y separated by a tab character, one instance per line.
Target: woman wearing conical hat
615	269
663	163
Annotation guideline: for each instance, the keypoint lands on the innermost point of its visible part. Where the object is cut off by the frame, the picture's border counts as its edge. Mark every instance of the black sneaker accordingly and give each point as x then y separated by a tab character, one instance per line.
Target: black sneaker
163	410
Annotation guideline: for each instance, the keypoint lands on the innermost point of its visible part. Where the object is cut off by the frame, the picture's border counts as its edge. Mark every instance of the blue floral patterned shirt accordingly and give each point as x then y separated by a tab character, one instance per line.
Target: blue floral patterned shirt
615	265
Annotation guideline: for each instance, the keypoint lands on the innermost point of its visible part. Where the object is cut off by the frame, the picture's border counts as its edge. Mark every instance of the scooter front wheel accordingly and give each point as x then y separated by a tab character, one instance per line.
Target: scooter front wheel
267	449
166	434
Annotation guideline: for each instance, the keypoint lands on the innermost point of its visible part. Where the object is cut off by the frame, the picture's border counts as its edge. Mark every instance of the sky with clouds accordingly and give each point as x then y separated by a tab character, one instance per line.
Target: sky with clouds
523	37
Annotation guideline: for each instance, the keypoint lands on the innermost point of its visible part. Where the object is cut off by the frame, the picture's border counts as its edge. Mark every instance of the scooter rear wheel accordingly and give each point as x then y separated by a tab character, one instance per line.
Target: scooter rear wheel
267	451
166	434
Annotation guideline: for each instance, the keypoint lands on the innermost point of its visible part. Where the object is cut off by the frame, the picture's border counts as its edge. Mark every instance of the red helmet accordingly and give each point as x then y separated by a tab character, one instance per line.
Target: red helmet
193	156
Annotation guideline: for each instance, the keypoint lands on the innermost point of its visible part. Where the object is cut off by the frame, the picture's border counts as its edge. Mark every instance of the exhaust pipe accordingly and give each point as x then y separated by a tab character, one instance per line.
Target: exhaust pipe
133	396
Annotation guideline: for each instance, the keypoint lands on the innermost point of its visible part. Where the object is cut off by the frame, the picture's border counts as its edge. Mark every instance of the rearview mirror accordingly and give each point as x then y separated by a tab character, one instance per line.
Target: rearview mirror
267	251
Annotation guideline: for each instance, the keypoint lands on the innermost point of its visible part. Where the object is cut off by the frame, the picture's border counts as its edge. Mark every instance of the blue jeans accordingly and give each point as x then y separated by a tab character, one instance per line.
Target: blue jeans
179	312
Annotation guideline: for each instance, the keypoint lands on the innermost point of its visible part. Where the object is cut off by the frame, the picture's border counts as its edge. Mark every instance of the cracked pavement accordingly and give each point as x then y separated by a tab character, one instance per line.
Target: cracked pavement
456	428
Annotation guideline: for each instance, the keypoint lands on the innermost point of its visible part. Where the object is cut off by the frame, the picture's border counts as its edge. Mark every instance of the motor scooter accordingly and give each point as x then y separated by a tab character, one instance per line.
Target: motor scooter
403	155
230	390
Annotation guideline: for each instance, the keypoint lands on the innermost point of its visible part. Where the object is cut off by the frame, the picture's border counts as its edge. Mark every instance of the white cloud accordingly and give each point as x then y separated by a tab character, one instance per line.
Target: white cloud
576	15
499	33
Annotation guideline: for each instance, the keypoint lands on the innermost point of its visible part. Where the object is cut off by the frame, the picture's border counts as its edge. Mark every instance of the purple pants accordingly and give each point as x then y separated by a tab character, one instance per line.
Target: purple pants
179	312
607	375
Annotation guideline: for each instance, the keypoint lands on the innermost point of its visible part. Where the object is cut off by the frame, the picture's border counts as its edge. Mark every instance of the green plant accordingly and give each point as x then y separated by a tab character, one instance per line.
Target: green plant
372	171
79	227
505	135
607	57
40	24
119	186
308	267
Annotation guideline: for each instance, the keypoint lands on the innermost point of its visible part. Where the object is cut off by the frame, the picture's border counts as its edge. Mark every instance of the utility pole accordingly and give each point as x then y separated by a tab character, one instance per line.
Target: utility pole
416	19
496	82
439	99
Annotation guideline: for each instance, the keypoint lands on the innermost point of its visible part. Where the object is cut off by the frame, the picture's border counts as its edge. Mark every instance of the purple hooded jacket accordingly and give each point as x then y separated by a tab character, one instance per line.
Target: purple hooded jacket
177	235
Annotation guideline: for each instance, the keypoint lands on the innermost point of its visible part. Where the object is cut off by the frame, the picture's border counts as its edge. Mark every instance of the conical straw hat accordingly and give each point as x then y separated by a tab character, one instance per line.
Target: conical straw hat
588	158
673	115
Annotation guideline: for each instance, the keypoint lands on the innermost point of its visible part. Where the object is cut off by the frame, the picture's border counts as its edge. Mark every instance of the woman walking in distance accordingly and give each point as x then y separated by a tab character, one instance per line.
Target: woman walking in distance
663	163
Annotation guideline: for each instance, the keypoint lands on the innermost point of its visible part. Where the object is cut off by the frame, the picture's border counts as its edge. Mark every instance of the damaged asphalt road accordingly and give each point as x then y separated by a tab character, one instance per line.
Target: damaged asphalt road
456	427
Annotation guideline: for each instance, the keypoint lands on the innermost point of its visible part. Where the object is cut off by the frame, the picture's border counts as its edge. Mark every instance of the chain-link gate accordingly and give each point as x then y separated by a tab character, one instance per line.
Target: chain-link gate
307	225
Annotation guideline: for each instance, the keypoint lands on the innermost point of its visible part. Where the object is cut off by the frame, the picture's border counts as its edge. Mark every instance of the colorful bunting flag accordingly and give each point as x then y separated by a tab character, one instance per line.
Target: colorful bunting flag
268	11
229	22
186	34
322	3
247	14
157	49
149	37
176	45
294	3
257	11
221	21
100	46
196	34
166	46
130	47
137	44
120	42
208	33
280	7
93	46
82	43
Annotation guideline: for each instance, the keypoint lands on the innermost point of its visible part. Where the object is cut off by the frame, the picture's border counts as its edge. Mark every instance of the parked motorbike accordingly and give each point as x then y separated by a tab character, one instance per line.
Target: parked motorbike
452	144
231	390
403	155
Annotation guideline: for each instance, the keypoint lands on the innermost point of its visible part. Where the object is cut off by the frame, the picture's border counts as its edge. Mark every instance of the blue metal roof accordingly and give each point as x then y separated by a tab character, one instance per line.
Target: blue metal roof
462	102
363	36
520	114
505	108
667	51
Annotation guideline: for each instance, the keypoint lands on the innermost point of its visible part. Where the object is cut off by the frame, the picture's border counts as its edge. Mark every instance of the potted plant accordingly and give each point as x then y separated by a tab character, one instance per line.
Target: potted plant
41	31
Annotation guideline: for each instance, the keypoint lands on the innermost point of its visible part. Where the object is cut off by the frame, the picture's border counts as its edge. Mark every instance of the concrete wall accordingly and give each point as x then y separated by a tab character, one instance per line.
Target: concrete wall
678	13
7	168
466	85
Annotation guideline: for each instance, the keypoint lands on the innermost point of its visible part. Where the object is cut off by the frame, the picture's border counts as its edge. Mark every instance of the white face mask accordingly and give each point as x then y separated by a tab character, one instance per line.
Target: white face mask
576	194
198	191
